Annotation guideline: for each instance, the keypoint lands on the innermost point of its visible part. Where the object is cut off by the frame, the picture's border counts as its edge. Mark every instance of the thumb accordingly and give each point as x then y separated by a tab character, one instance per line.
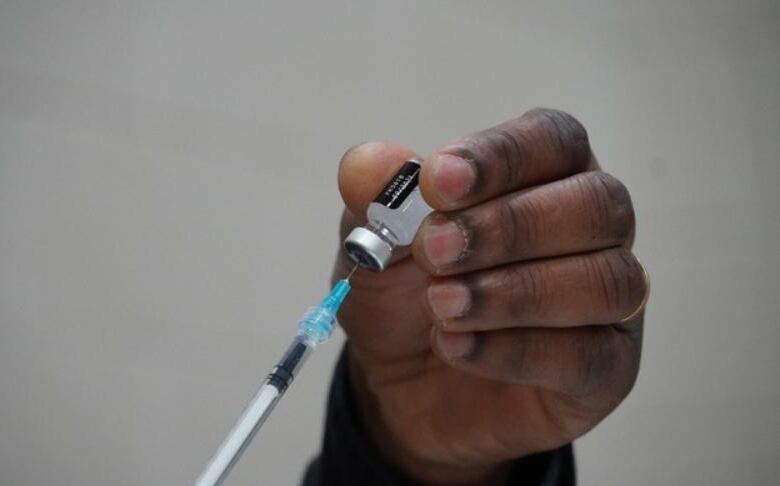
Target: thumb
365	169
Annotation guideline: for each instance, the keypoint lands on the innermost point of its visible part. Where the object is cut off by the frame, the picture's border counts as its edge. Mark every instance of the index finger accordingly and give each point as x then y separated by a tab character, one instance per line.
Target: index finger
541	146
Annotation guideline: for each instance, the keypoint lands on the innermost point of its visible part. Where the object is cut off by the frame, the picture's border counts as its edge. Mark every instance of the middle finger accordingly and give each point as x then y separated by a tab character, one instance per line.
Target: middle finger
585	212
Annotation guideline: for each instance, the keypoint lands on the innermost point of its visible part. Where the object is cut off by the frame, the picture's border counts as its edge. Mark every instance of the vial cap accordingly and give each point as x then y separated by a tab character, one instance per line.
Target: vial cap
368	249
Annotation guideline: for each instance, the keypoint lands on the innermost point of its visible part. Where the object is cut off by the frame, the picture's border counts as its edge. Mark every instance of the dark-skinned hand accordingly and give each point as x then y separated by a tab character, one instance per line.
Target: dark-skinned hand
515	325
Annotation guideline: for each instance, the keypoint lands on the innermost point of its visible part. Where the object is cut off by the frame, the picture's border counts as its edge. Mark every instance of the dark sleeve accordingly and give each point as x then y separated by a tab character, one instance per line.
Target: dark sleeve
348	456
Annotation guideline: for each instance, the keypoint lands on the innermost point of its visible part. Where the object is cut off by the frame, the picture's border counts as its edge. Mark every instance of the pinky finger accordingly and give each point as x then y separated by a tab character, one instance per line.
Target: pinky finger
575	361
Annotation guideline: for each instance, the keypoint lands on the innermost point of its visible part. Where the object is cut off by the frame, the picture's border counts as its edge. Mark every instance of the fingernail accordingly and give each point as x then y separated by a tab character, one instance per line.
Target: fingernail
443	243
449	300
455	345
453	177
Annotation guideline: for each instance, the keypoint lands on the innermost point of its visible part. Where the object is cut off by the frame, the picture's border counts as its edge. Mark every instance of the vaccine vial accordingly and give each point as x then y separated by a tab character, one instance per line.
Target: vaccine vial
393	219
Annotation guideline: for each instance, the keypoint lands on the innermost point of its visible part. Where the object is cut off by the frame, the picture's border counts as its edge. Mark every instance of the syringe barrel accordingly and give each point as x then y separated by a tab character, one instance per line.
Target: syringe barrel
255	413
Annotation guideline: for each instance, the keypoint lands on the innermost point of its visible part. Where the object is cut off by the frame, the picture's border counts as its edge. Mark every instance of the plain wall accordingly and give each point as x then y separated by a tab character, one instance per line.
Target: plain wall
168	207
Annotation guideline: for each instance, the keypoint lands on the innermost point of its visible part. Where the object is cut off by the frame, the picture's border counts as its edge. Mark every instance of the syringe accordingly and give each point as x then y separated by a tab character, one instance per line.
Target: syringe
314	327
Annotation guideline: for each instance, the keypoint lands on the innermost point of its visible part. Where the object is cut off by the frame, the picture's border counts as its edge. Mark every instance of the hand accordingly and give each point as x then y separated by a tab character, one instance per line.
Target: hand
517	325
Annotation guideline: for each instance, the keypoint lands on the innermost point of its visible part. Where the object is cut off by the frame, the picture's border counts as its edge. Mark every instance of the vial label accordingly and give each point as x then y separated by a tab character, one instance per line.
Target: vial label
401	185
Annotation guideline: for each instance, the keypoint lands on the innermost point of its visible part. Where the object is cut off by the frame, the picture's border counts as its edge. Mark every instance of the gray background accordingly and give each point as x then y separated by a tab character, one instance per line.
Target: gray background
168	207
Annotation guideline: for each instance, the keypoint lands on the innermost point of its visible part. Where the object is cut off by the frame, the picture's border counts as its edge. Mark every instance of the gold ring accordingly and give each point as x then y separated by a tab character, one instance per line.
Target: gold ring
642	304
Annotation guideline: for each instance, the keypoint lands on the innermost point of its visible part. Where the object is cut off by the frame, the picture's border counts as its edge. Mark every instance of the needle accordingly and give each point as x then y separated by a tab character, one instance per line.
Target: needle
357	265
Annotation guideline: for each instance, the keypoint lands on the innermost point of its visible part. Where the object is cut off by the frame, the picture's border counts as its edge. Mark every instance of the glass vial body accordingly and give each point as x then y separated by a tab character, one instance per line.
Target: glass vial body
393	219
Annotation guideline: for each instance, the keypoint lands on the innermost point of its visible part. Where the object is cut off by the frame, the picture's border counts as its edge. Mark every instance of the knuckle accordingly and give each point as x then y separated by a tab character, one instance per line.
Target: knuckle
621	208
510	228
599	355
611	209
617	279
607	364
597	281
508	153
562	133
632	277
621	365
529	290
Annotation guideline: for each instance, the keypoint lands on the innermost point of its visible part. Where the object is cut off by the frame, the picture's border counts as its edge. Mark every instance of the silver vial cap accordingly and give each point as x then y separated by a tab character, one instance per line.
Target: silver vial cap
368	249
